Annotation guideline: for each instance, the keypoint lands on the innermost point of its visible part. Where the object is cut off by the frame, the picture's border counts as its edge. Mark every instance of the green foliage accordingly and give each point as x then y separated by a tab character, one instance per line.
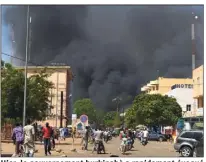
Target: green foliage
153	110
99	117
117	121
85	106
109	118
13	94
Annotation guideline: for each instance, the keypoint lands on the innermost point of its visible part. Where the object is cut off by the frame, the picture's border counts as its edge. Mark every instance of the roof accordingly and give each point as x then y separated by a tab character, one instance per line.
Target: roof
42	67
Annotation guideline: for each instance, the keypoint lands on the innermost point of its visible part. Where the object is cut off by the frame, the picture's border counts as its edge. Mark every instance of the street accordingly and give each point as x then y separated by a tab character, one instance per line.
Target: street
152	149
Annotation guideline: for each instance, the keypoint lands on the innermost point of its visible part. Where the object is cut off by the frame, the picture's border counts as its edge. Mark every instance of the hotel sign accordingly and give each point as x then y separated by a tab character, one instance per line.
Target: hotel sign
189	86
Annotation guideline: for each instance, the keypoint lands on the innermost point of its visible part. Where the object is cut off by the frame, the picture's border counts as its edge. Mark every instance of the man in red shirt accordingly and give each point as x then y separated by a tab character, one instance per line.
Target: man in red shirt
47	133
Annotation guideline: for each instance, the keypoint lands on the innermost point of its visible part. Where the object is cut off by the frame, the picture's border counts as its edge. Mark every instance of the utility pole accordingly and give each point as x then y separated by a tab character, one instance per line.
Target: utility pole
194	18
25	67
61	118
57	97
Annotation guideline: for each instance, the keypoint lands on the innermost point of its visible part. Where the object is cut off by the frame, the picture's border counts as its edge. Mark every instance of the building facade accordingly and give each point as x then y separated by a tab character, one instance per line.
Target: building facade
61	77
184	96
163	85
198	93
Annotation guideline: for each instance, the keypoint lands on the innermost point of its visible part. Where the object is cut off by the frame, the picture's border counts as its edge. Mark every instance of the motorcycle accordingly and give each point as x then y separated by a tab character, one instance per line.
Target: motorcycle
129	144
99	147
144	142
123	148
107	137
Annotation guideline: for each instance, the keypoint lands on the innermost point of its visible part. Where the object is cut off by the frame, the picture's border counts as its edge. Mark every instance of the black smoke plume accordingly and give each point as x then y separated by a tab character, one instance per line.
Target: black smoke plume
113	50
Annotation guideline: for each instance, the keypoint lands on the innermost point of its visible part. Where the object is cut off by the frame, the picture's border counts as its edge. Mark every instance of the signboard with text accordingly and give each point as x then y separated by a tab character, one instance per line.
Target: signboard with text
189	86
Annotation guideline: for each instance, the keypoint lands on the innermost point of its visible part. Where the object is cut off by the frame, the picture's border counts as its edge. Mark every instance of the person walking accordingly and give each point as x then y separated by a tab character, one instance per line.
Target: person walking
62	134
18	138
47	133
86	138
29	135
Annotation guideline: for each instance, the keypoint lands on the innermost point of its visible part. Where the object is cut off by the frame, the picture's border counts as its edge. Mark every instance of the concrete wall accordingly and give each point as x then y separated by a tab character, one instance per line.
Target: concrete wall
198	82
184	97
198	93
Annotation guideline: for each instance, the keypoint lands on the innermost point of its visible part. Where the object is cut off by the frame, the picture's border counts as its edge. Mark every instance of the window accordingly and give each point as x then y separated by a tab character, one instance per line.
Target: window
198	135
187	135
188	107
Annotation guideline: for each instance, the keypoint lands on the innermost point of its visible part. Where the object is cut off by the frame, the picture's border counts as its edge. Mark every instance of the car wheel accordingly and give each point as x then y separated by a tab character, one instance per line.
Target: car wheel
160	139
186	151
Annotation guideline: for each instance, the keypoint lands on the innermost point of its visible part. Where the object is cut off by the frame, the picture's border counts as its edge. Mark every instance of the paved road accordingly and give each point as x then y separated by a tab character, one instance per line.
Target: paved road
152	149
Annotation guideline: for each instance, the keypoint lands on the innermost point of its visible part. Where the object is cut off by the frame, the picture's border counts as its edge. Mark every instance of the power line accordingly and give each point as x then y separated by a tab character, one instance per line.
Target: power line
6	54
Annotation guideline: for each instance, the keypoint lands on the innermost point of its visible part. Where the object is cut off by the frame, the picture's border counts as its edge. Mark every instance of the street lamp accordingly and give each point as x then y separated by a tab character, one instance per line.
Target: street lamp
26	64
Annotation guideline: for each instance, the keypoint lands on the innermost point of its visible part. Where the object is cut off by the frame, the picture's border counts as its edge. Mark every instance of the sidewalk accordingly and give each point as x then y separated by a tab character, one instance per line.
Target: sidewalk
61	147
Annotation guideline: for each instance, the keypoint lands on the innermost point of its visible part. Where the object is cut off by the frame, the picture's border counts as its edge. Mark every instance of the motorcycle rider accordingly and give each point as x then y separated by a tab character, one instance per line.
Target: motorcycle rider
123	142
131	136
106	133
145	134
98	134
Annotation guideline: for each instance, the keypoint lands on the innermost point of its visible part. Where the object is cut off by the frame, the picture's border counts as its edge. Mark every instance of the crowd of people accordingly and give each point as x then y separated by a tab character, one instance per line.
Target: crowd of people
24	139
25	136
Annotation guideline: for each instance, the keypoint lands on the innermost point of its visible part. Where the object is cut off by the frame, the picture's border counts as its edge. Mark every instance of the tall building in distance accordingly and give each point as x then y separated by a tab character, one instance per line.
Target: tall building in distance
61	77
163	85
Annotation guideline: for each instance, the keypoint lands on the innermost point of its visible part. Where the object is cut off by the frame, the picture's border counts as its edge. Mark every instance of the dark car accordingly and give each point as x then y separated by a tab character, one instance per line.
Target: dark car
186	141
199	149
156	136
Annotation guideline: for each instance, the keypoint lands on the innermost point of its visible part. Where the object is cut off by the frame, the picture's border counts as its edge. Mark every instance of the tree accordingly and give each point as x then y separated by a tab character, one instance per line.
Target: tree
109	118
85	106
99	117
117	121
153	110
13	94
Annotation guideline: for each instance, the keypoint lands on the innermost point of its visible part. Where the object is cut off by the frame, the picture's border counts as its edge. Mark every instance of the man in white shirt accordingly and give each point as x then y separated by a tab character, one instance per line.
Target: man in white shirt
145	134
98	135
29	139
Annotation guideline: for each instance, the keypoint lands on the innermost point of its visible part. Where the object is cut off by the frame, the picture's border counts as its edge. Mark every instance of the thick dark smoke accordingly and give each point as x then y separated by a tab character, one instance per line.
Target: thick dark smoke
113	50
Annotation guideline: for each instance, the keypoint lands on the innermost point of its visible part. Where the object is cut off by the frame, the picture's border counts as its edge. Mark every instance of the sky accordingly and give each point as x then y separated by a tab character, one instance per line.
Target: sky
127	39
6	45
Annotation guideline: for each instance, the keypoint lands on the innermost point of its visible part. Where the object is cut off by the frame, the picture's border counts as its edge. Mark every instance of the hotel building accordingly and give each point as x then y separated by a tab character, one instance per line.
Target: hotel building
163	85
